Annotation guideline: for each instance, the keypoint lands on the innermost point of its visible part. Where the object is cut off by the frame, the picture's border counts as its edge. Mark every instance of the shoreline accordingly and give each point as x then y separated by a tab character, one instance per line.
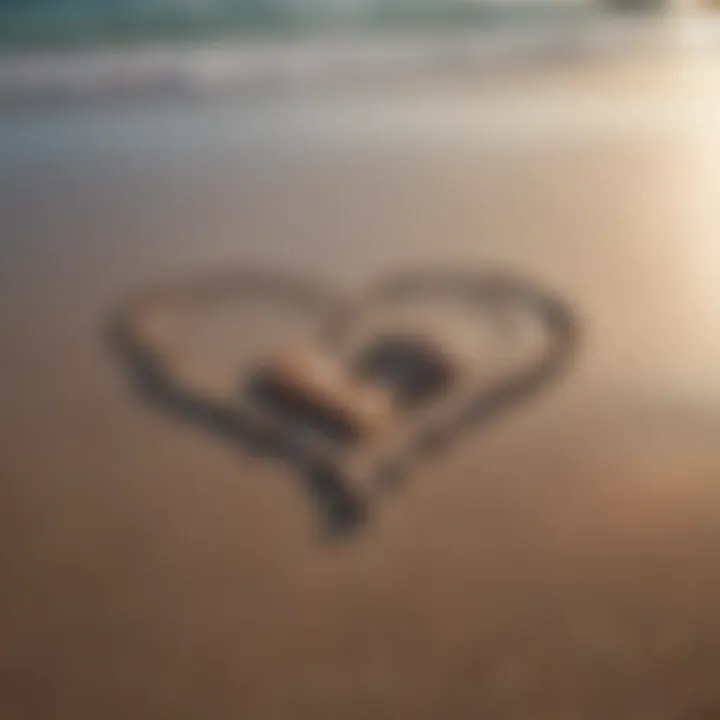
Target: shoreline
238	66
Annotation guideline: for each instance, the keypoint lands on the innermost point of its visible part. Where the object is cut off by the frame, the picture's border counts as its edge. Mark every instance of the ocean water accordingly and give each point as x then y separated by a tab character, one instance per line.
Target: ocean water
71	23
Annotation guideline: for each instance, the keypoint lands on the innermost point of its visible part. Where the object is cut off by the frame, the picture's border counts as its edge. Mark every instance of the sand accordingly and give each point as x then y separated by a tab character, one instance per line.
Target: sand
560	563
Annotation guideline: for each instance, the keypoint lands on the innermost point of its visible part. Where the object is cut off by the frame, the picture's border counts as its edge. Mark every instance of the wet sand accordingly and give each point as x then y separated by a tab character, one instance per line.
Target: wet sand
559	564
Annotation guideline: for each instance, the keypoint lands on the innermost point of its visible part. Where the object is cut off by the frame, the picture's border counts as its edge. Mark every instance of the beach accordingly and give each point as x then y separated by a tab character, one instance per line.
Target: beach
560	562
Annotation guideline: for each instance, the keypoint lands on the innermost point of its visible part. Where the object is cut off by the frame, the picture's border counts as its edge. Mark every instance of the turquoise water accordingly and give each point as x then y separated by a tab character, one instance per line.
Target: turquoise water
58	23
